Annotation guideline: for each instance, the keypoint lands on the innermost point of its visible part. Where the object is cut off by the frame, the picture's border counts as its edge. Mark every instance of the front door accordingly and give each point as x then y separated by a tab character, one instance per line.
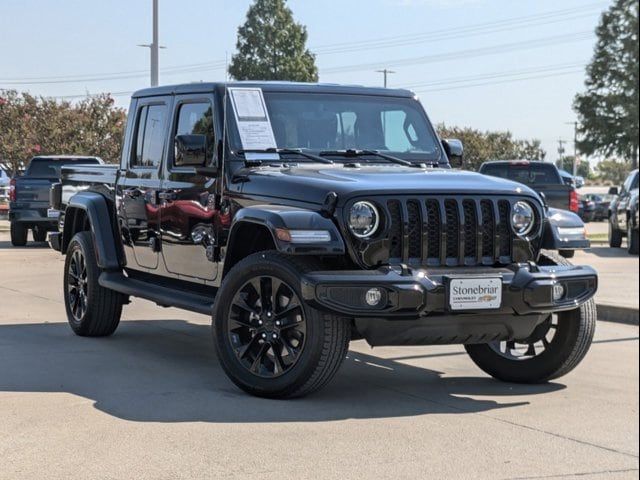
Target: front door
188	207
139	185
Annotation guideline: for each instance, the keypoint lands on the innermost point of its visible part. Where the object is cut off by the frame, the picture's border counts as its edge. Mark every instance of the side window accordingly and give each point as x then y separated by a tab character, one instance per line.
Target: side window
150	136
197	119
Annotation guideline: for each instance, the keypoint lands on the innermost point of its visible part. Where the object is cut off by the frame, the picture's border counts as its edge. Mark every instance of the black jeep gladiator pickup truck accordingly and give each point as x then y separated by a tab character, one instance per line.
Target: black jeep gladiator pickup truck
302	216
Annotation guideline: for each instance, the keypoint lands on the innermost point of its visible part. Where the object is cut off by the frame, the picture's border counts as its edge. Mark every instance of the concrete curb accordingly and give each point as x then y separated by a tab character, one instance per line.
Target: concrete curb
613	313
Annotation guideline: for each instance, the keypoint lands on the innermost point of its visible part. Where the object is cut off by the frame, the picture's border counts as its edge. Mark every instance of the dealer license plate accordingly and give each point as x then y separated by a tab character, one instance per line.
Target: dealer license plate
51	213
475	293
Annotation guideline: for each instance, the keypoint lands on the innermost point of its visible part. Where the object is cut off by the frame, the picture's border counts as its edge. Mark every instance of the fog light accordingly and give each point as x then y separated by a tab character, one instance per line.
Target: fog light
558	292
373	296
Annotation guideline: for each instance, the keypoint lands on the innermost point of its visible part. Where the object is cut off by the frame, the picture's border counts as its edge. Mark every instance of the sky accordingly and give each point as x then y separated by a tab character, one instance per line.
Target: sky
488	64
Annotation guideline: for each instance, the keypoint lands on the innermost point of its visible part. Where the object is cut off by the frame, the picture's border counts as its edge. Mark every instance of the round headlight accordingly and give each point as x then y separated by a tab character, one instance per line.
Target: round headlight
363	219
523	218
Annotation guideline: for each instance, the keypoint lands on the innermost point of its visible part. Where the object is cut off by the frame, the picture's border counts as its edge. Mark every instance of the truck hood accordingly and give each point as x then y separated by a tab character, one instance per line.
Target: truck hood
311	183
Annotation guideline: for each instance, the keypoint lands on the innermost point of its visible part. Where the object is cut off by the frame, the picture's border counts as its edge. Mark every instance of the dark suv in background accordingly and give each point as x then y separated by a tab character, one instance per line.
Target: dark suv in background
623	214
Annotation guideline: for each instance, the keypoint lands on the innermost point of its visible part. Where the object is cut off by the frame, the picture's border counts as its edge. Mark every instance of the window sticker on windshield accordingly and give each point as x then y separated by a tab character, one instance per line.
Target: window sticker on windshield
252	118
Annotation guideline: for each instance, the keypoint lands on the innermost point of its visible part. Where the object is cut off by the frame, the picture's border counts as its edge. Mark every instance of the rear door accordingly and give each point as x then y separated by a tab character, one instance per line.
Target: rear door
188	207
139	183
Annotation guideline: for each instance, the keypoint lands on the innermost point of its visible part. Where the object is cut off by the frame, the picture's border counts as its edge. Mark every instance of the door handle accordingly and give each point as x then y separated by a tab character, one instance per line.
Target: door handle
133	193
167	196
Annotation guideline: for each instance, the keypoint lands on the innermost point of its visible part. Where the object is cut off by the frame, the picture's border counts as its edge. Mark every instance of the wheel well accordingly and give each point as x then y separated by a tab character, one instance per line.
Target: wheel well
75	220
247	238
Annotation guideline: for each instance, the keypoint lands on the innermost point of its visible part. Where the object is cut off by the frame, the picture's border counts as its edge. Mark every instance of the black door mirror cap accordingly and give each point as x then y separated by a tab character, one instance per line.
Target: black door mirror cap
455	152
190	150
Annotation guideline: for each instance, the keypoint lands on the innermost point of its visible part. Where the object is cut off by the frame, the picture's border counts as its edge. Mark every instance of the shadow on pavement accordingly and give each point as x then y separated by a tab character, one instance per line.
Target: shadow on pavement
608	252
7	245
167	371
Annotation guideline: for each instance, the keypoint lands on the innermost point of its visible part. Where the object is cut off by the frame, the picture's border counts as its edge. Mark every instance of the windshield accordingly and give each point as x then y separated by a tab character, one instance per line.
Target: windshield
529	174
321	122
50	167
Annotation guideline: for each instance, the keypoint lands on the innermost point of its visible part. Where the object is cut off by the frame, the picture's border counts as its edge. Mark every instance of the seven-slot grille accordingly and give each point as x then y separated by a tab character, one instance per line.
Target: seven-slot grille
449	231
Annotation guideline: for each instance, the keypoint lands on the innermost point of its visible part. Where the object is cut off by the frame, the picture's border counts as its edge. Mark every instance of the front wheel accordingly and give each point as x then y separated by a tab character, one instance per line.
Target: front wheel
269	342
568	253
615	235
553	350
632	239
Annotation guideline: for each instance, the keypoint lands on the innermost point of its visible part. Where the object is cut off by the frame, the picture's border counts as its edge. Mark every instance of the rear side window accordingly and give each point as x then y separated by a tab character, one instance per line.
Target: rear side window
150	137
529	174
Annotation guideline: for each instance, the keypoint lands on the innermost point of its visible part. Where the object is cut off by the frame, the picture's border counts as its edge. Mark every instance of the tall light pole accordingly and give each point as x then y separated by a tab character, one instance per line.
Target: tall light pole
386	72
154	47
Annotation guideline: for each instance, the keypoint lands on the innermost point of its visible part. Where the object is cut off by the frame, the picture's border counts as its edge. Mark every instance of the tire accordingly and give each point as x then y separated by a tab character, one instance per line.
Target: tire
18	234
39	234
615	236
570	343
568	253
261	358
632	239
96	311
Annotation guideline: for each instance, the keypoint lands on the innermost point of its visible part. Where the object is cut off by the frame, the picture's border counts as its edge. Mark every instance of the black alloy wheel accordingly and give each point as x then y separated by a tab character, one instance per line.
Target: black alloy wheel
266	326
77	285
535	345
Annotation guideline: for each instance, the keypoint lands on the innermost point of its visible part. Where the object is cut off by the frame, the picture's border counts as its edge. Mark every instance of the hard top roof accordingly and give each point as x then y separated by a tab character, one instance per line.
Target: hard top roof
202	87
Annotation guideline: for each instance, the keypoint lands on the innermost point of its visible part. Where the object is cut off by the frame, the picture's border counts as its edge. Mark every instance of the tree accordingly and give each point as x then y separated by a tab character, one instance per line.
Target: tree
272	46
583	170
39	126
608	110
613	171
480	147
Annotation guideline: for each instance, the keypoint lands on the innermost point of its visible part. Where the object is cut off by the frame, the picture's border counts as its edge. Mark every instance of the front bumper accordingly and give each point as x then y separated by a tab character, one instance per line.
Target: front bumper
526	289
415	310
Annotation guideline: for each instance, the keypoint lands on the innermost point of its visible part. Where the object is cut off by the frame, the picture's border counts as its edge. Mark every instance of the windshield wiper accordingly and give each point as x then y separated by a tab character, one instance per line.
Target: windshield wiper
375	153
290	151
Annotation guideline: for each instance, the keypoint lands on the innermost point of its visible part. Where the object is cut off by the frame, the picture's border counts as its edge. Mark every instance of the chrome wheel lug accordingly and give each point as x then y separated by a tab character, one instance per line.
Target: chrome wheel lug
278	323
264	335
274	336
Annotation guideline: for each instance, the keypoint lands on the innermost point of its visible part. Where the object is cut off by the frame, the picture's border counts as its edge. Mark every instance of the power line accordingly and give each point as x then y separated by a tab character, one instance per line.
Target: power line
498	82
493	75
462	54
463	32
343	47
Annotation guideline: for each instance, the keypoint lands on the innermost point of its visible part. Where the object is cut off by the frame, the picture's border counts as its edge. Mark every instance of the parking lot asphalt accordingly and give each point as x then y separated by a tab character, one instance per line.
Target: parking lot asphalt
152	402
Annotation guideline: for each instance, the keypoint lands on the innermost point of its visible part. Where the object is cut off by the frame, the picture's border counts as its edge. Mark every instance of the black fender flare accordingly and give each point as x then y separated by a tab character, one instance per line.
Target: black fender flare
278	218
100	218
564	230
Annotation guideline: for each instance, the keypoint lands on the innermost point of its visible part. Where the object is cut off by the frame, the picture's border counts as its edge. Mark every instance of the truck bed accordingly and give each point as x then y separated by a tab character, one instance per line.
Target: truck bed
76	179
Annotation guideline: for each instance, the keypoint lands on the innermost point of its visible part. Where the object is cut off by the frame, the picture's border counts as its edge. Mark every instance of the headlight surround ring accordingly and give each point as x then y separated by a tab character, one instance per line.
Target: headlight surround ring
364	219
523	218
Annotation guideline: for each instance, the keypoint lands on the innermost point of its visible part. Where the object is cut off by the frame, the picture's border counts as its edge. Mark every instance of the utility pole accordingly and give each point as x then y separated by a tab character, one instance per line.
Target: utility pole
386	72
154	47
575	147
560	152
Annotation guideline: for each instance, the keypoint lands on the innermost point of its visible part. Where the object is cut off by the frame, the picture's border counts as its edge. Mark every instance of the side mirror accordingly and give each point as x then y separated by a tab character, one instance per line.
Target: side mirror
613	191
454	150
190	150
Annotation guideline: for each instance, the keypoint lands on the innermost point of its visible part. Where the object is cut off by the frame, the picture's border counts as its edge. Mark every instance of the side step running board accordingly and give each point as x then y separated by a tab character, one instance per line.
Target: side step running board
166	297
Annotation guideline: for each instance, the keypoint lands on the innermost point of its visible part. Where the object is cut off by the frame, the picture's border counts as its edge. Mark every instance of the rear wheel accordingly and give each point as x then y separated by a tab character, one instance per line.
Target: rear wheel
39	234
554	349
92	310
269	342
615	235
18	234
